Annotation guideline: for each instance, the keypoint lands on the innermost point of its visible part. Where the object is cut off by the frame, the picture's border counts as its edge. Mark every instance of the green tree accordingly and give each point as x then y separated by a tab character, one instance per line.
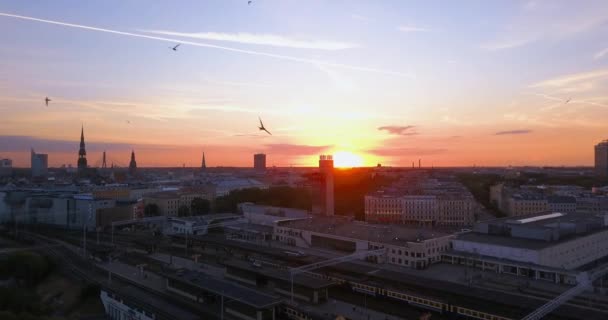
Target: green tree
200	206
183	211
151	210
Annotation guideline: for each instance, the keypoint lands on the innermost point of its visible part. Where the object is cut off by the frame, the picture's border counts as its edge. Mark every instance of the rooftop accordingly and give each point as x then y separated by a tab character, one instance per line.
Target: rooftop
392	234
226	288
301	279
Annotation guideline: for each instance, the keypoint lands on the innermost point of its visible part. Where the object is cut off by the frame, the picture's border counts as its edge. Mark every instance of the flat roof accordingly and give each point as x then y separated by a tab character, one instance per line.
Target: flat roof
227	289
301	279
251	227
383	233
145	299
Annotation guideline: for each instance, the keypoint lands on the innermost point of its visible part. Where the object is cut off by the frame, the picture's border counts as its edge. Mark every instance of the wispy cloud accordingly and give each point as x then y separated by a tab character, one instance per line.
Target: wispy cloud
403	152
207	45
410	28
399	130
574	83
259	39
512	132
548	21
600	54
359	17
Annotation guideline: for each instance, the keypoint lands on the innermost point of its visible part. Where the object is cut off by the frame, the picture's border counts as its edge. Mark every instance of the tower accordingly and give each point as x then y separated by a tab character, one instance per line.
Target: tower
326	168
103	161
259	161
39	163
132	164
82	153
601	159
203	165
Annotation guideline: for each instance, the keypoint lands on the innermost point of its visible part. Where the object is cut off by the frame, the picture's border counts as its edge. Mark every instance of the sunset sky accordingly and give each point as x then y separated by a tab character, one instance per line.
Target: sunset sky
455	83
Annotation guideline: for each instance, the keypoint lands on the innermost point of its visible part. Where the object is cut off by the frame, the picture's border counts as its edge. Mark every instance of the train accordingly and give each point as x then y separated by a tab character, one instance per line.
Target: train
433	304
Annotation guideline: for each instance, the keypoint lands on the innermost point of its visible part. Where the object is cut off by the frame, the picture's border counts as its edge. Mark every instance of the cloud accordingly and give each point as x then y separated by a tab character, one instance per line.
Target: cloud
548	21
295	149
259	39
510	132
207	45
412	29
399	152
399	130
359	17
600	54
571	79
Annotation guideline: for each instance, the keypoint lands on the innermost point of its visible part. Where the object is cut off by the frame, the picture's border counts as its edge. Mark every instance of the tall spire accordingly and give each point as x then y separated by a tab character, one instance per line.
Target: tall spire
82	153
132	164
103	163
203	165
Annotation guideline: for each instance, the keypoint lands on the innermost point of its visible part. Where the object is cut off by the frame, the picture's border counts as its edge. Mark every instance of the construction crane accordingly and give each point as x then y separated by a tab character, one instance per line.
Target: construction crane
309	267
585	281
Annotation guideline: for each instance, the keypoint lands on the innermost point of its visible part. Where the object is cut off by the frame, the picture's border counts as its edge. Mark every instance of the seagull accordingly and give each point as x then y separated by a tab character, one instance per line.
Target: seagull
47	100
261	127
249	2
129	122
568	100
175	48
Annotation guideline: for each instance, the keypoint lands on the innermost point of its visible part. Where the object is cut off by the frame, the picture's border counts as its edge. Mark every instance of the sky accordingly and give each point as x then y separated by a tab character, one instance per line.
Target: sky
454	83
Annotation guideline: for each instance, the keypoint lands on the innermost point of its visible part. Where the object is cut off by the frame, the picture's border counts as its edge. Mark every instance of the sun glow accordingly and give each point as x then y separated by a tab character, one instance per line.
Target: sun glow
345	159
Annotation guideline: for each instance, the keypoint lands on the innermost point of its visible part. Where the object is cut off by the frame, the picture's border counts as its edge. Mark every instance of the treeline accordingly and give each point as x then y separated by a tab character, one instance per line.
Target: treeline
283	196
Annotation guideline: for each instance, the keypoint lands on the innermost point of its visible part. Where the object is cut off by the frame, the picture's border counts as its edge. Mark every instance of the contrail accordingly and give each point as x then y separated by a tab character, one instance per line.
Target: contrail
206	45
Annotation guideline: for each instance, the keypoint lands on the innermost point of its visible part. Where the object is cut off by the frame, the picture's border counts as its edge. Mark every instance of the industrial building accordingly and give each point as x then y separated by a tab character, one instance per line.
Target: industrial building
259	161
413	247
323	187
40	164
547	246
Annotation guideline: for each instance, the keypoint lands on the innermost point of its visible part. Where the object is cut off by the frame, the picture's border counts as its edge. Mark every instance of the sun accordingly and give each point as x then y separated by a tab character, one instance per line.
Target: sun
345	159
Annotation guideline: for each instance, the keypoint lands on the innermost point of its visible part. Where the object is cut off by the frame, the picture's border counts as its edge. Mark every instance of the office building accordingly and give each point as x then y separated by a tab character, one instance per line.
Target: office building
82	154
546	246
601	159
259	161
39	164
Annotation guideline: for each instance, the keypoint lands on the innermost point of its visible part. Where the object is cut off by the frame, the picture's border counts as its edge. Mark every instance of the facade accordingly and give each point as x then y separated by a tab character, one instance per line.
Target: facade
526	203
132	164
430	210
40	164
601	159
82	154
547	246
259	161
415	248
564	204
71	211
323	187
167	202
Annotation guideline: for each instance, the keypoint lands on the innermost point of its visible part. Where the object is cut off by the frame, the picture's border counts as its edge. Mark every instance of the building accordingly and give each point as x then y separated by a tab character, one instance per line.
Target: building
6	167
198	225
427	202
259	161
132	164
412	247
525	203
65	210
40	164
82	154
269	215
166	201
323	187
564	204
546	246
601	159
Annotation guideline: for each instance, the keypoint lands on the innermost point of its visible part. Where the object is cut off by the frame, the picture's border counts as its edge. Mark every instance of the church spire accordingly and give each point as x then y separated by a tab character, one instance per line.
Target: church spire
82	153
203	165
132	164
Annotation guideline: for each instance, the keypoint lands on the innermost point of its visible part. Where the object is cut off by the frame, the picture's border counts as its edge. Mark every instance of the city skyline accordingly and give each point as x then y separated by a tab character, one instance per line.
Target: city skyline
496	84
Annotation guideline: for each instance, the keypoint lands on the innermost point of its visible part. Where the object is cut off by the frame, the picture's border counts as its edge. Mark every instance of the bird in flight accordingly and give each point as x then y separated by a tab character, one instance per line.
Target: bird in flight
262	128
47	100
249	2
568	100
128	121
175	48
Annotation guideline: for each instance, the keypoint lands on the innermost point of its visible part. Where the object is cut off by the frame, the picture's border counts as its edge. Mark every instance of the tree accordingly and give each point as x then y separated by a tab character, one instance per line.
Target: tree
151	210
183	211
200	206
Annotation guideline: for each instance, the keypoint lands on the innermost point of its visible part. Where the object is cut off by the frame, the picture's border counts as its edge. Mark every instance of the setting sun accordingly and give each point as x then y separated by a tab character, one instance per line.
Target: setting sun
345	159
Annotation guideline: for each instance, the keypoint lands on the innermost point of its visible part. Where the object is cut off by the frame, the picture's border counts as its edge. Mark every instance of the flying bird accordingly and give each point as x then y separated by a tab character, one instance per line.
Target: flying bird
568	100
249	2
175	48
129	122
47	100
262	128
